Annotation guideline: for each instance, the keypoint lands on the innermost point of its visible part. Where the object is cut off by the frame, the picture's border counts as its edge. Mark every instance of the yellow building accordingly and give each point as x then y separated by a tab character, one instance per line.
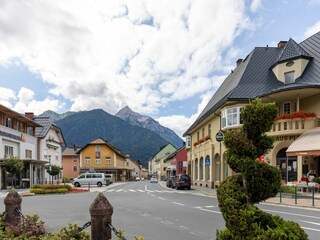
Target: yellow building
101	156
288	75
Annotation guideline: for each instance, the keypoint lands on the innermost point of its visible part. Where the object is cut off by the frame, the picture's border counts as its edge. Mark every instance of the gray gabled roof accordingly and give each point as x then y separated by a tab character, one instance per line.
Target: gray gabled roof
46	124
254	77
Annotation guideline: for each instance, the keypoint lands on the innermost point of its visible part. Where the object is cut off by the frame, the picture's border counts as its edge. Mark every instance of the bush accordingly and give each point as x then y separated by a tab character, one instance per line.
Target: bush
254	181
48	191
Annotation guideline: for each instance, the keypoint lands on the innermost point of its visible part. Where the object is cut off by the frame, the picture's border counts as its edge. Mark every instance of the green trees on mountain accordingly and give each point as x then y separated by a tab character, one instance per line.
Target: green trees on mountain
254	181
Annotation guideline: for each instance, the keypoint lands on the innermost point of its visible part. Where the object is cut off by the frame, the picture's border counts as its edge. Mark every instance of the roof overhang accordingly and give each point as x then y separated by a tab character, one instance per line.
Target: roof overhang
308	144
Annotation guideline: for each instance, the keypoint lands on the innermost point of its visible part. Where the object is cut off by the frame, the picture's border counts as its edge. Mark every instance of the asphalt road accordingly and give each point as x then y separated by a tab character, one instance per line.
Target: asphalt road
153	211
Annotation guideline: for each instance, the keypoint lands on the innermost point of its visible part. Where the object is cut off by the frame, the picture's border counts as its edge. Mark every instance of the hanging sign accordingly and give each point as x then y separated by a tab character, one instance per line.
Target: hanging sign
219	136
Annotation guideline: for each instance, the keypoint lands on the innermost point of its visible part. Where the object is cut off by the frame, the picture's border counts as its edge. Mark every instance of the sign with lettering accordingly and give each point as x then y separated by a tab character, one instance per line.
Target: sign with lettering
9	135
286	138
219	136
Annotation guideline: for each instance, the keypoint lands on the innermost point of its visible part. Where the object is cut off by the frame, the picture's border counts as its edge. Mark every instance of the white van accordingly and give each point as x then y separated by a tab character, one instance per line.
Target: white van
98	179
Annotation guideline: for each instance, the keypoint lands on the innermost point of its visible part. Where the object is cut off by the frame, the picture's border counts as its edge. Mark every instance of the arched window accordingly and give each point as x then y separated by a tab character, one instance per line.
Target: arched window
217	167
196	168
207	168
201	168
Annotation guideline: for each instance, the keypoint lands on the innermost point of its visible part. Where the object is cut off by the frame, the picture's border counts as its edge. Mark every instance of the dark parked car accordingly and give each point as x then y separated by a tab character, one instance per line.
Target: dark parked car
170	182
182	181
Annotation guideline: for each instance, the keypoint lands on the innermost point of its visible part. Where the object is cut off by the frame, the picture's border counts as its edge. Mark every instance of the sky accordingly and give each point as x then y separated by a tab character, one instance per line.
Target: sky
162	58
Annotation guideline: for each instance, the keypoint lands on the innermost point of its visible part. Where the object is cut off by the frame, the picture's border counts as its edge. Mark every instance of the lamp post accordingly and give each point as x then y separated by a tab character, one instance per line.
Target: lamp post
50	169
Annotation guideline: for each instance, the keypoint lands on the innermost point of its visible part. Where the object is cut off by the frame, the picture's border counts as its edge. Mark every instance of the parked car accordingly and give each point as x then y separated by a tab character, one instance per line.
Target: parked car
153	180
181	181
98	179
170	182
137	179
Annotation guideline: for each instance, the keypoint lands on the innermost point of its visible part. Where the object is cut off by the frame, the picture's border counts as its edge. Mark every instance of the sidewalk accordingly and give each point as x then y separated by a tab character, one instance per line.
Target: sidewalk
303	200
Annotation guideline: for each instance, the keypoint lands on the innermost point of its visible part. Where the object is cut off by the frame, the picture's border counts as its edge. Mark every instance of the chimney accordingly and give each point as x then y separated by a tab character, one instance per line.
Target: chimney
29	115
239	61
282	44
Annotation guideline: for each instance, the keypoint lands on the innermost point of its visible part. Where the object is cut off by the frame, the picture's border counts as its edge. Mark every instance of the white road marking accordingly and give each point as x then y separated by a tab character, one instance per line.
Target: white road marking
162	198
119	190
178	203
110	190
140	190
209	206
311	229
131	190
315	223
293	214
207	210
184	227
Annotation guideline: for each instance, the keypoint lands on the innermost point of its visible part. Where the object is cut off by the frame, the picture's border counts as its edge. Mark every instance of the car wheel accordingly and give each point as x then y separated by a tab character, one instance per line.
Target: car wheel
99	184
76	184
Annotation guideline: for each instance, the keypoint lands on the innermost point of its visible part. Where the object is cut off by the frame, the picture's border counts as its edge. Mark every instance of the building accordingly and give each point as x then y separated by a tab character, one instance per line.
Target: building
71	162
156	164
287	75
18	139
51	142
178	162
101	156
134	169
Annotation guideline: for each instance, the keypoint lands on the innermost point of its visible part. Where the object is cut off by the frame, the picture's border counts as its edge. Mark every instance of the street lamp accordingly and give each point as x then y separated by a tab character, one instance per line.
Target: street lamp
50	169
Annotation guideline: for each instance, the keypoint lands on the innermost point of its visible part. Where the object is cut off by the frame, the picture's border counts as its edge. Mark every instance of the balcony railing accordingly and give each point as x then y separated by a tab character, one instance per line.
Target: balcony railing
292	126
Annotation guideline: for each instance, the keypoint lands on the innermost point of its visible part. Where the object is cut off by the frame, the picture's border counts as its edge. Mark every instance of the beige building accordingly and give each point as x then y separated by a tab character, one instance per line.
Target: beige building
288	75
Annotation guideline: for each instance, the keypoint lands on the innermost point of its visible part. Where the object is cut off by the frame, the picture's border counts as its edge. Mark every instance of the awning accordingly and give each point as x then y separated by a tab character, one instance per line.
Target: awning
306	144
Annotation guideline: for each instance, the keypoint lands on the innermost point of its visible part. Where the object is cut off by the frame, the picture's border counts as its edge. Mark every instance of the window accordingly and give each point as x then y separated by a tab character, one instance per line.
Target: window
75	159
9	122
287	107
289	77
8	151
209	130
202	135
30	131
231	117
28	153
108	160
188	142
180	166
98	161
87	160
98	148
75	168
198	136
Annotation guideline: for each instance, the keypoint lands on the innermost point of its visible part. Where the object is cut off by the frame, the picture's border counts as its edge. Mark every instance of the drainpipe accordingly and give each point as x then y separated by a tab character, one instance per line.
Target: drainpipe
214	112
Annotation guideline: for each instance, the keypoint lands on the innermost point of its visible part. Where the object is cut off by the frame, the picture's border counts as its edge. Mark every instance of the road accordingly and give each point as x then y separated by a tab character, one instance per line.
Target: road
153	211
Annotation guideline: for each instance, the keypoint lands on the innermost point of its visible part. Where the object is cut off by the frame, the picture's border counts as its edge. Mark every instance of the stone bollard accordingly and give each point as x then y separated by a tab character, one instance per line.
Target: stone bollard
12	201
101	212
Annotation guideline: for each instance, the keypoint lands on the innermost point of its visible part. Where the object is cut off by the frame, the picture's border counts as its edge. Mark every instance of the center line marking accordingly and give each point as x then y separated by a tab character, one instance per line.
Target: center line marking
161	198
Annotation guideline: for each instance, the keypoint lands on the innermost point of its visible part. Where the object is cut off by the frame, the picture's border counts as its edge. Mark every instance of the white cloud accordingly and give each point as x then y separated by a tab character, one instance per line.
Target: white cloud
255	5
108	54
180	123
25	102
312	30
7	94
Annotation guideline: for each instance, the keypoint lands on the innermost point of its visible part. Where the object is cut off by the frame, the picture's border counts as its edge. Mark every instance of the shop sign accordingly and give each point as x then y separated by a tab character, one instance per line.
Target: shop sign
286	138
9	135
219	136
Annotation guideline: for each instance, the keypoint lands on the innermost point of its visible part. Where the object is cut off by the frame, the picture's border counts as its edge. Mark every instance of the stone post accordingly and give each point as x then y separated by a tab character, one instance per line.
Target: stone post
101	212
12	201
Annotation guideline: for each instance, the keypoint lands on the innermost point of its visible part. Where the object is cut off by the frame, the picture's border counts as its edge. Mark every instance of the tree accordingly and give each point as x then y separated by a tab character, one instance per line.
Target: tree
254	181
53	171
13	165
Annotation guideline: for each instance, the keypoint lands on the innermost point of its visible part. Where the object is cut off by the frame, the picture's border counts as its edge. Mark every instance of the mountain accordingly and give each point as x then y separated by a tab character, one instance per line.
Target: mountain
55	116
83	127
149	123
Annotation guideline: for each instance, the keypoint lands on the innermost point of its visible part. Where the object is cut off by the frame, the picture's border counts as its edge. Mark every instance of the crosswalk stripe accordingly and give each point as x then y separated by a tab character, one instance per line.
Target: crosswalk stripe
141	190
119	190
131	190
110	190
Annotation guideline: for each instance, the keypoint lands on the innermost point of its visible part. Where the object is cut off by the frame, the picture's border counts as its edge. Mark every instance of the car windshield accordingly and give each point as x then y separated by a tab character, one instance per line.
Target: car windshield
185	177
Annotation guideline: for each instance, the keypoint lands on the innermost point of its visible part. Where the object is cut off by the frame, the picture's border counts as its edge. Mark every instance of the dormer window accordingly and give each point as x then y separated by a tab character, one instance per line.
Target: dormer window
289	77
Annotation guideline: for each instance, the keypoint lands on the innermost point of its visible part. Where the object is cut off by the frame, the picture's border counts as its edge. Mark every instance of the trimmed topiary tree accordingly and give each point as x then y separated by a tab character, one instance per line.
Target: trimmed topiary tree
54	171
254	181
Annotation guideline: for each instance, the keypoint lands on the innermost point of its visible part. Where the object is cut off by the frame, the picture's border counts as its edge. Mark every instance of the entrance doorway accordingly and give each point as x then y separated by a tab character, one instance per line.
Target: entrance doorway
288	166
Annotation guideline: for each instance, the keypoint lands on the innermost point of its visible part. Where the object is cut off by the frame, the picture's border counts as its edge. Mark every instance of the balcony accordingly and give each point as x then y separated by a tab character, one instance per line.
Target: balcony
293	126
